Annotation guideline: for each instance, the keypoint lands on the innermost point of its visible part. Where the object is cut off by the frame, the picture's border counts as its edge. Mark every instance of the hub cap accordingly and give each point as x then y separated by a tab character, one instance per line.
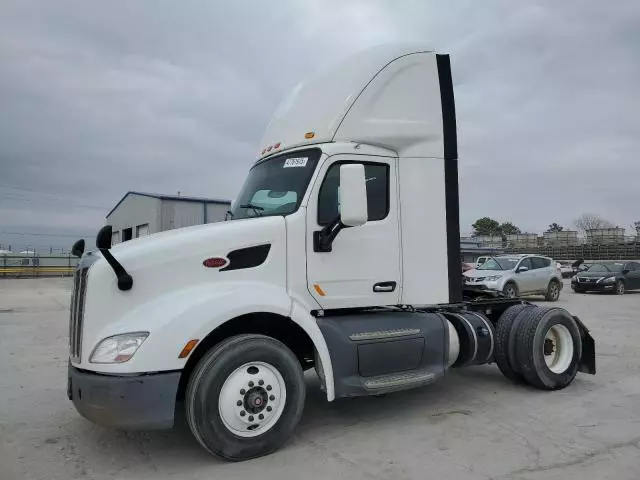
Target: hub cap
558	348
252	399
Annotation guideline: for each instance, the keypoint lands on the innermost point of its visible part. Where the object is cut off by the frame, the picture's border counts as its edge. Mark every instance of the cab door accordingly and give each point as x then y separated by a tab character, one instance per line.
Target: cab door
363	266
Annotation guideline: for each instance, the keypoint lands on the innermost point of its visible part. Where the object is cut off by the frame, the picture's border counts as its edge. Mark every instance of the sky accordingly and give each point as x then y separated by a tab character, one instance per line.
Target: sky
99	98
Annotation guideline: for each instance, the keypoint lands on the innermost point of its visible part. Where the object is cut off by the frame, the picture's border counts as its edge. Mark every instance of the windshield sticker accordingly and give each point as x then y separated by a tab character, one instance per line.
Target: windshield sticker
295	162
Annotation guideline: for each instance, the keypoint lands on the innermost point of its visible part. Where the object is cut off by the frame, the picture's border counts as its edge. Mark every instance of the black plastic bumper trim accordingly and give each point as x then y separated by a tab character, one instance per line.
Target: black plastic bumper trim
131	402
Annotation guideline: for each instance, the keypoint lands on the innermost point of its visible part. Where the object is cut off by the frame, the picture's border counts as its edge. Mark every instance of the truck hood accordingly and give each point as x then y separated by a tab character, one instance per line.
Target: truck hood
199	241
165	264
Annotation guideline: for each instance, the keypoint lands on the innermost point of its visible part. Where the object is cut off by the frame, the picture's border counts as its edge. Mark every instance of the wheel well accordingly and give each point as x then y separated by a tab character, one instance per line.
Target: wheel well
269	324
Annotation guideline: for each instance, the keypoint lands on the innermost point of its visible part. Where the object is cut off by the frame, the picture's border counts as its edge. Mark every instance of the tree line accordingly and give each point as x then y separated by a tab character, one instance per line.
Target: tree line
487	226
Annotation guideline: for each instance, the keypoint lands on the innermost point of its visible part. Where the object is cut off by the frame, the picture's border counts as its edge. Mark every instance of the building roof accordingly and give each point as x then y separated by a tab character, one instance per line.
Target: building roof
162	196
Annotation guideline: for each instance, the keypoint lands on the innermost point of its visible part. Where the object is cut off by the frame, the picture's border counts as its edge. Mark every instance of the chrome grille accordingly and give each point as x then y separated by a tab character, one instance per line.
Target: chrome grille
76	314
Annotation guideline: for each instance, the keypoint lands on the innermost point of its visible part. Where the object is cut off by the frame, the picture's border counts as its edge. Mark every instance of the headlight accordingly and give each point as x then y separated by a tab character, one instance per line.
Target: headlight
609	280
119	348
493	278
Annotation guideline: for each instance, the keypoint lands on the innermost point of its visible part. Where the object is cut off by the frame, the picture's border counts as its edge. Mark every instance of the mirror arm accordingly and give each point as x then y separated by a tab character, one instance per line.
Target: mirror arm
125	281
323	239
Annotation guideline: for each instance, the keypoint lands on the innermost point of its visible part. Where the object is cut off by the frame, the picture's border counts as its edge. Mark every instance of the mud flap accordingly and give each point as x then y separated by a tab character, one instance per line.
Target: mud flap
588	358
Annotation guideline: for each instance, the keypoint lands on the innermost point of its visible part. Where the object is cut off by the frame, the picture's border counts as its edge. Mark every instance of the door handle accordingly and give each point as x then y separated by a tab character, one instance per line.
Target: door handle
384	287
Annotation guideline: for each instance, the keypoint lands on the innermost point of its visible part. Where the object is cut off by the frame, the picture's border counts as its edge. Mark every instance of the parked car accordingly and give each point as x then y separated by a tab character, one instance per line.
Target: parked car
517	275
467	266
481	260
614	277
566	269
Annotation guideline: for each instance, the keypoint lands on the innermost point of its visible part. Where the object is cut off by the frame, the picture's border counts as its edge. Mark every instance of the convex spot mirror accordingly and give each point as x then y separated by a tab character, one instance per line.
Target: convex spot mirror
353	195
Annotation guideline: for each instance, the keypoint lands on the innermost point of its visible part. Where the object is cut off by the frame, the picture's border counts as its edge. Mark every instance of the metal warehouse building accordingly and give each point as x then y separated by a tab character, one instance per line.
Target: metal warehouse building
138	214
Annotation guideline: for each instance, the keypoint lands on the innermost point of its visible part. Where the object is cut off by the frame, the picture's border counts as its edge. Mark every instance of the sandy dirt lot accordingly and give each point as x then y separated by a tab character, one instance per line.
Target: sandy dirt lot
472	425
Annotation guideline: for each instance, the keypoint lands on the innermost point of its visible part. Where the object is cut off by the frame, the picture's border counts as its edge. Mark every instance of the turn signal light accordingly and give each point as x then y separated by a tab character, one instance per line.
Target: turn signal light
309	135
188	348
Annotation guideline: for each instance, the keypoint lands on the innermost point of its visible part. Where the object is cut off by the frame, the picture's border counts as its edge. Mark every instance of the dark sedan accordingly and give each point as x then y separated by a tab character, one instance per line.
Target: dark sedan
614	277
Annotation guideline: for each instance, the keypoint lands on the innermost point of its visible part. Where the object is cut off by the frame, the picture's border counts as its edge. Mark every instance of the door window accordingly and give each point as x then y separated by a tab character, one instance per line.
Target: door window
539	262
526	263
377	176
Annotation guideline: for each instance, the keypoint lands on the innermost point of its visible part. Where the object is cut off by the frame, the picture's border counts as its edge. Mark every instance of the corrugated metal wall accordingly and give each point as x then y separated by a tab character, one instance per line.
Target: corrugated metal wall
179	214
216	212
135	210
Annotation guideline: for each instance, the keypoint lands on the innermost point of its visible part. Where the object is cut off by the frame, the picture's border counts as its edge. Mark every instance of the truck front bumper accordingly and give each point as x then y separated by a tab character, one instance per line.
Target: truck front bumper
132	402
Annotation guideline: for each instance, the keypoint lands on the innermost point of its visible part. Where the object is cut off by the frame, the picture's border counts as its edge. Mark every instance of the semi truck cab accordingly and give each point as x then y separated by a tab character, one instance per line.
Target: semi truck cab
341	253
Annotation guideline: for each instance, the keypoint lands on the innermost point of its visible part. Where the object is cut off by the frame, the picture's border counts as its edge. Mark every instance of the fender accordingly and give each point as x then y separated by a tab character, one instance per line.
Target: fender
173	319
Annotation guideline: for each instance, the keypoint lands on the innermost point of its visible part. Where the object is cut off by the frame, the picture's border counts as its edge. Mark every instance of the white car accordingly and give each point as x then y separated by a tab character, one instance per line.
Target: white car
517	275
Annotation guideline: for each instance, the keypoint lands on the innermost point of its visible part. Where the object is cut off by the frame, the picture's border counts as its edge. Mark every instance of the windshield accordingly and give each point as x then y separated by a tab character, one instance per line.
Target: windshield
605	267
499	264
276	186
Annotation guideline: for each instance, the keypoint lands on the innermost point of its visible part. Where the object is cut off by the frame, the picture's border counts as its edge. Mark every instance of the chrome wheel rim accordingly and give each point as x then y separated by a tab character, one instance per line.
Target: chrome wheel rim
554	291
558	348
510	291
252	399
620	288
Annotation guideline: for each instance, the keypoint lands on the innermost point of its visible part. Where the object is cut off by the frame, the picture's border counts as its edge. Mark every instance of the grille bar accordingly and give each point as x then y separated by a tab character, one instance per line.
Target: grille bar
76	314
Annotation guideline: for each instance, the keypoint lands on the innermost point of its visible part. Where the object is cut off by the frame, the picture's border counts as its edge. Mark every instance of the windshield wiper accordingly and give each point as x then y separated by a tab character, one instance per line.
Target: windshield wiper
256	208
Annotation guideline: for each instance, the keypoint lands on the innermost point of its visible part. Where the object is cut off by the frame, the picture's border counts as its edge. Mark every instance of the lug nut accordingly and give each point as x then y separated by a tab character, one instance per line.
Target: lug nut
250	384
272	398
243	413
251	418
239	403
269	387
261	417
261	382
243	391
269	409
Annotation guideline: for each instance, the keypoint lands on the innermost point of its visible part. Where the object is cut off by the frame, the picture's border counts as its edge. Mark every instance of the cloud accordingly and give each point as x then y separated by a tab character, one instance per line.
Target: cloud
103	97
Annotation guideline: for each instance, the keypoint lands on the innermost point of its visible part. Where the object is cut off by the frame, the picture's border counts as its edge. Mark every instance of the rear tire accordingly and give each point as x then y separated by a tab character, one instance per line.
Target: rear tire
510	290
548	348
553	291
506	323
245	397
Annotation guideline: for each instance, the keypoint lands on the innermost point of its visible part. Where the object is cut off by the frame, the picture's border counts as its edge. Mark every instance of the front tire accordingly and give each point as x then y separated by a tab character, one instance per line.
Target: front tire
620	287
548	348
510	290
245	397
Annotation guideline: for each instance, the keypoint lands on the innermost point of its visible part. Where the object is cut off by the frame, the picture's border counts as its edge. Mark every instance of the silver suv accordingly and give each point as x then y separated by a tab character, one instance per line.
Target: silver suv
517	275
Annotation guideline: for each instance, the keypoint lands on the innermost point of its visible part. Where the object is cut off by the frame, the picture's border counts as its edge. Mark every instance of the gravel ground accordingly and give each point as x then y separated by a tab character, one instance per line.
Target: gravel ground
472	425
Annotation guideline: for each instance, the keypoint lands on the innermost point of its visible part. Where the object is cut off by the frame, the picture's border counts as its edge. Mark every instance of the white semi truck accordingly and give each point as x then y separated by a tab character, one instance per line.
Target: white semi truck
342	253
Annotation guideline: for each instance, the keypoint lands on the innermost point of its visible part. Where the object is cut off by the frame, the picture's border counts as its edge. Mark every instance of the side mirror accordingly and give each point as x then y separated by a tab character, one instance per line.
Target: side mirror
522	269
625	271
103	240
78	248
353	195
